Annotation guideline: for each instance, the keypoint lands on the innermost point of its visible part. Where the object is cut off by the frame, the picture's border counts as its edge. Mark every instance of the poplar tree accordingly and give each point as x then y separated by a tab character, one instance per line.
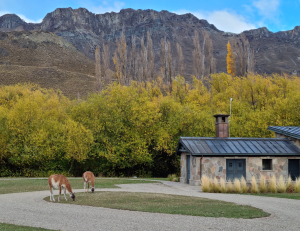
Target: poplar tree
98	69
120	60
230	61
105	66
180	62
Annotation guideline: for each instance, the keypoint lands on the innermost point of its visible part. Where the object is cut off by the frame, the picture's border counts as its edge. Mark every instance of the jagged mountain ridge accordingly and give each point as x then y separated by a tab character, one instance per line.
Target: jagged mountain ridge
274	52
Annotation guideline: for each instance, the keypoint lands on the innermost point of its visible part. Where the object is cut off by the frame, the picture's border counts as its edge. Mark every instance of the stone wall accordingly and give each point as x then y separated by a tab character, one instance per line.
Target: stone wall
183	173
216	166
194	170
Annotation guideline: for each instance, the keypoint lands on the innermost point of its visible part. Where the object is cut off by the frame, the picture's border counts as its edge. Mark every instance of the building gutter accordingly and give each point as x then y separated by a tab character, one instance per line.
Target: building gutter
201	158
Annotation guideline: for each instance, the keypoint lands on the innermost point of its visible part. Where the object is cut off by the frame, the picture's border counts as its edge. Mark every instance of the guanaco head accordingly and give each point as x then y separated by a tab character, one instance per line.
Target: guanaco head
93	189
73	196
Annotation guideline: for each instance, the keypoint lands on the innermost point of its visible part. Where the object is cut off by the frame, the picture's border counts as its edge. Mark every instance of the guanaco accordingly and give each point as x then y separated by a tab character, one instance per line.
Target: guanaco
58	181
87	178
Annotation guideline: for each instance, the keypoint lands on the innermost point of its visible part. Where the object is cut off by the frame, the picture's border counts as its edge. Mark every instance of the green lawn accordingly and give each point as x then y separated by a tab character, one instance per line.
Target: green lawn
295	196
9	227
163	203
30	185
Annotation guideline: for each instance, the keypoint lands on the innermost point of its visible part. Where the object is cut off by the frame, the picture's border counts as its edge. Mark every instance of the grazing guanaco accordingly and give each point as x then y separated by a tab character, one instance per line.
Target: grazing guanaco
58	181
87	178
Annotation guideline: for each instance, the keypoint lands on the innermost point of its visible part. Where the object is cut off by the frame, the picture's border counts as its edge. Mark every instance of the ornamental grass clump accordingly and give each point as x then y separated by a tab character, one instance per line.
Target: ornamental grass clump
281	185
216	186
272	184
297	185
229	187
262	184
244	185
254	188
222	185
289	184
237	186
205	184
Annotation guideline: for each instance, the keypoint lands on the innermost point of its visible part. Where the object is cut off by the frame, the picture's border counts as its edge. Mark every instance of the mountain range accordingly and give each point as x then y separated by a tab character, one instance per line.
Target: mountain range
81	31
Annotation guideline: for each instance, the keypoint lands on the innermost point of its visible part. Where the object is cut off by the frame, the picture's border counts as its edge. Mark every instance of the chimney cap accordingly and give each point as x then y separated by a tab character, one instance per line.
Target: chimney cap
221	115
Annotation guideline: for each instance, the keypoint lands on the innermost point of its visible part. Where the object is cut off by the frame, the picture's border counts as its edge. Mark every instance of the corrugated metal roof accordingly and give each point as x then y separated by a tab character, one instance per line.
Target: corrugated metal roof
291	131
237	146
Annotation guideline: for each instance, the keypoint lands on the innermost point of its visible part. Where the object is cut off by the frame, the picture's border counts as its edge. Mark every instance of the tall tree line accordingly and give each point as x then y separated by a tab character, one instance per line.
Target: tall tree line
136	62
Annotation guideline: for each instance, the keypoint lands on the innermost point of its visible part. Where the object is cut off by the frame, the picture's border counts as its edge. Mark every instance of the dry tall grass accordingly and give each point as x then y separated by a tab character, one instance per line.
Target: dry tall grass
289	183
297	185
205	184
229	187
262	184
281	185
216	186
254	188
272	184
237	186
223	186
244	186
240	186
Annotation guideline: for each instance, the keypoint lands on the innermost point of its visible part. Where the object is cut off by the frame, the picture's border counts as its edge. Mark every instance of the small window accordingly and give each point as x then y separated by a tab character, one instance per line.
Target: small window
230	164
223	119
240	164
267	164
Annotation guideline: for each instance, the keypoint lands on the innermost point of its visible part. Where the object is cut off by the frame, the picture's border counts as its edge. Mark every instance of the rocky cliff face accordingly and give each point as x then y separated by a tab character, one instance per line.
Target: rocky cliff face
274	52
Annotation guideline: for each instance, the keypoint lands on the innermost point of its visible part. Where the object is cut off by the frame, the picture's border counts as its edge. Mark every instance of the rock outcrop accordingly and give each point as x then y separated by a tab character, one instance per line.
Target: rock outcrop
274	52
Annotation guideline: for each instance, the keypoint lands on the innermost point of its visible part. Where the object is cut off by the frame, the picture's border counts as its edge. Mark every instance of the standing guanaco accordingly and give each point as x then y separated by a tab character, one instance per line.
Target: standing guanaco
87	178
58	181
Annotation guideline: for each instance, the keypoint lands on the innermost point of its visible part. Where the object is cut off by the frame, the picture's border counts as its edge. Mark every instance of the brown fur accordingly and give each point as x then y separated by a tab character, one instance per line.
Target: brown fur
89	177
60	180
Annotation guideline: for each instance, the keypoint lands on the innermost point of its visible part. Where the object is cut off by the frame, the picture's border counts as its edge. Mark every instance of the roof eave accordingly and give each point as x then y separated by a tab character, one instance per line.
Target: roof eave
243	154
270	128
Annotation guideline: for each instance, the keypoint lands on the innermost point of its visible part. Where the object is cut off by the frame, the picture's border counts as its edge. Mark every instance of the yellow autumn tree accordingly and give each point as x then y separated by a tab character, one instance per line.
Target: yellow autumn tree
230	61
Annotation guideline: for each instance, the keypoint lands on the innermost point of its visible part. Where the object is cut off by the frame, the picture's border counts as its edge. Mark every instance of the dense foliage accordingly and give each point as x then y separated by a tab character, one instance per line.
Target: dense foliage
134	130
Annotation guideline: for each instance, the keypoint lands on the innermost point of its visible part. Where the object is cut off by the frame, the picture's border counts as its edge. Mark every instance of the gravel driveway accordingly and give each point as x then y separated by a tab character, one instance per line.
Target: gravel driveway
31	210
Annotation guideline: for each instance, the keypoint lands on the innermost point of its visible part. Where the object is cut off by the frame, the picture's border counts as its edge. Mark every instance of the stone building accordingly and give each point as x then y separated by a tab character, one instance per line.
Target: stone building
291	133
229	158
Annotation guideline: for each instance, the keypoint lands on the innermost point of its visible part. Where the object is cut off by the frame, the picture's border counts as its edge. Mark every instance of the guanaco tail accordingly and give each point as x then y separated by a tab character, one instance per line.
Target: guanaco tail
58	181
87	178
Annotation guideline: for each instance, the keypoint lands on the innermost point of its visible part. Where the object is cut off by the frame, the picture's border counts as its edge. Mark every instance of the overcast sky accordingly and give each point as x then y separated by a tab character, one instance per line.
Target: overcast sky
227	15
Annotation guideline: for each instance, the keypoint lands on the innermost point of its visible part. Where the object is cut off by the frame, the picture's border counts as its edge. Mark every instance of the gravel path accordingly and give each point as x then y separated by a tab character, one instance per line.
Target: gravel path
31	210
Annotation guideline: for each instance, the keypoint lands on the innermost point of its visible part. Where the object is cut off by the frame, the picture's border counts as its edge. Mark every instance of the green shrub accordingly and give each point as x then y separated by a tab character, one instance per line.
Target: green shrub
173	177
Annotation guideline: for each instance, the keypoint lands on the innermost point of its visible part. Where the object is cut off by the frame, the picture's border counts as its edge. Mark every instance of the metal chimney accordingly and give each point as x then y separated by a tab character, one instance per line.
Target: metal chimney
222	125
